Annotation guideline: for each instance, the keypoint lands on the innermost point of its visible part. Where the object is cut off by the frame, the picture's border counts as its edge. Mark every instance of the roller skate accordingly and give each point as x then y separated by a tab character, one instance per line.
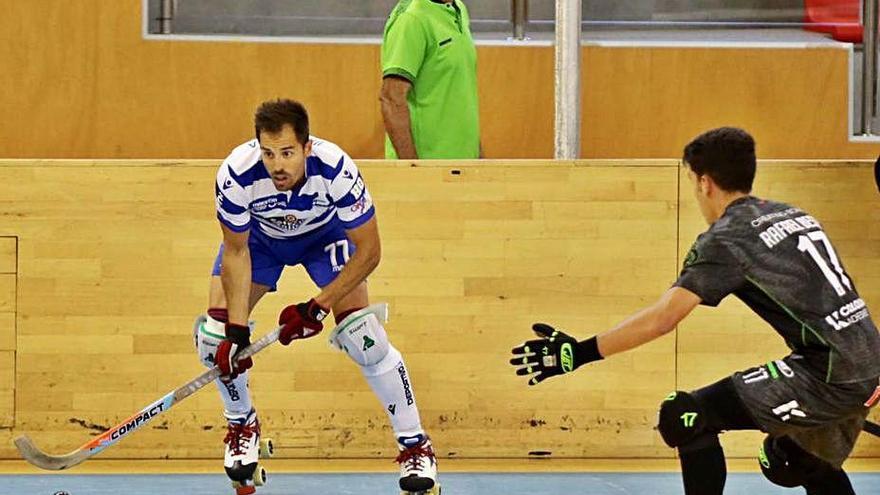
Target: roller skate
244	448
418	466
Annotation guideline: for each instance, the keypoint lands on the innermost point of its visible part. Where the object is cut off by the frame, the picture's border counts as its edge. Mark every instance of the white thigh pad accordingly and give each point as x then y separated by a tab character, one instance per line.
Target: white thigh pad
362	336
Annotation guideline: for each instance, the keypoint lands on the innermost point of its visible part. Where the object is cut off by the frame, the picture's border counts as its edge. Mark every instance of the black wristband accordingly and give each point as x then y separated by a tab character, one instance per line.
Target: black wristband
588	351
312	310
238	334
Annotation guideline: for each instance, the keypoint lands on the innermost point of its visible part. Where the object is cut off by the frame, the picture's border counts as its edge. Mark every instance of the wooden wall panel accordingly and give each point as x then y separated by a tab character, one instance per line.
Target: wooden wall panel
641	102
713	343
7	389
92	87
8	254
8	264
471	259
473	254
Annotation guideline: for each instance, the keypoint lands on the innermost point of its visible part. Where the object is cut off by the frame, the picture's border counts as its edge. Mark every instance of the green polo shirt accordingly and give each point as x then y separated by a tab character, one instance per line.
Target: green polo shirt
430	44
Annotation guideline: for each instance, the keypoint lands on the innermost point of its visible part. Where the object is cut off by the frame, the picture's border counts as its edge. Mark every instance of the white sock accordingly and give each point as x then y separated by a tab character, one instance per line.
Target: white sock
390	381
235	394
236	397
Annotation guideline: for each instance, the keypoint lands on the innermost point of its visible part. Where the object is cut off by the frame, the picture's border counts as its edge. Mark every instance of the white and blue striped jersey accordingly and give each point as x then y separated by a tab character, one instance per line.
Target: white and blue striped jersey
333	191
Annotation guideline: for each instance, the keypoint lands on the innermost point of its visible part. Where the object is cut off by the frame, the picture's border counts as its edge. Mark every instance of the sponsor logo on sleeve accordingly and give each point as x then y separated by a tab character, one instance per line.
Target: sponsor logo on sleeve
691	257
360	206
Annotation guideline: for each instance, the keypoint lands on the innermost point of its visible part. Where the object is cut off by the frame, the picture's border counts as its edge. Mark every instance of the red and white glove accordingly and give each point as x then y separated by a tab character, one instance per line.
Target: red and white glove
237	338
301	321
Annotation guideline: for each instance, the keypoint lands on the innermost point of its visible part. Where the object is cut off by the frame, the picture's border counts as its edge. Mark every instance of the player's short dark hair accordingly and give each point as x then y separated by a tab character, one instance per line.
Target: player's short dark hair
727	155
273	115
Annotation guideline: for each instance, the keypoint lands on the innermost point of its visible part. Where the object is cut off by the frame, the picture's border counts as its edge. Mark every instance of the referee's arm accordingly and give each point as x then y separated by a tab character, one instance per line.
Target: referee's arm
395	113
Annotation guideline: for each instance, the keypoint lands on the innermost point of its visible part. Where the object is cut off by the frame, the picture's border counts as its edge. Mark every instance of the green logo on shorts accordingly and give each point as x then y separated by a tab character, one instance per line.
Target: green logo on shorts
368	342
567	355
688	419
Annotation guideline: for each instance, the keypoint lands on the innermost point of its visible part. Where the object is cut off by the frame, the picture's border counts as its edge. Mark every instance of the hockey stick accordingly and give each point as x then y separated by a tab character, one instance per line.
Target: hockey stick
38	458
872	428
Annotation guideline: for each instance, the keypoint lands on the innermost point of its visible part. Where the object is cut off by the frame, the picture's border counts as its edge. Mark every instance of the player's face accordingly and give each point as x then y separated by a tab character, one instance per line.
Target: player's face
284	157
701	194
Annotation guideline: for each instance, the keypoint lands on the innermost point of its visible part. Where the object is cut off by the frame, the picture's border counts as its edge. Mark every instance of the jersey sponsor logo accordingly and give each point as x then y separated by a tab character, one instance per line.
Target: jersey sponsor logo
848	314
135	422
789	409
780	231
407	390
287	222
770	216
269	203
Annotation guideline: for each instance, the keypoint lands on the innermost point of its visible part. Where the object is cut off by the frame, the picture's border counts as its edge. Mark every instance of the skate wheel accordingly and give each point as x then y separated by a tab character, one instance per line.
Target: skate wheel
243	488
260	476
267	448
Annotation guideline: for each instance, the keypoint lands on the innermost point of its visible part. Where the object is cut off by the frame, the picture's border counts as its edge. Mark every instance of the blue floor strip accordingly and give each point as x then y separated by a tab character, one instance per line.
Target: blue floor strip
370	484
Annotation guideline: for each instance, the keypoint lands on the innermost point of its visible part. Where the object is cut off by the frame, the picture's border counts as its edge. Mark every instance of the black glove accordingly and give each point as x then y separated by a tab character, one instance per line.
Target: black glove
238	337
555	353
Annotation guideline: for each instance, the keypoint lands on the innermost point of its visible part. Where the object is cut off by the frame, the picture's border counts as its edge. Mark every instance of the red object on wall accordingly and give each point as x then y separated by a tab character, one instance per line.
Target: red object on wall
839	18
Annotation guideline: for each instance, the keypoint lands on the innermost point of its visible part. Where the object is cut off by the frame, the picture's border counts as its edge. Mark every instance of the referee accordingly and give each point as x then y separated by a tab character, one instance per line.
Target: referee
429	82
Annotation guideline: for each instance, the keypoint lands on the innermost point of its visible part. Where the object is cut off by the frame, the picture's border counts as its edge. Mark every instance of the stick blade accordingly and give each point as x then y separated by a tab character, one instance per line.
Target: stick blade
37	457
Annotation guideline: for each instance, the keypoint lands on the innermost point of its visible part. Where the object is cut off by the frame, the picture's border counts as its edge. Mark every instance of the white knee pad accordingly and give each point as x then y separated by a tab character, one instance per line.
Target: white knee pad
207	334
362	336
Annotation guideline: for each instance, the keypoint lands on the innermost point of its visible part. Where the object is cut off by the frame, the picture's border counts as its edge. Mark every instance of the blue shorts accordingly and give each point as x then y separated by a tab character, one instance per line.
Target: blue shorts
322	253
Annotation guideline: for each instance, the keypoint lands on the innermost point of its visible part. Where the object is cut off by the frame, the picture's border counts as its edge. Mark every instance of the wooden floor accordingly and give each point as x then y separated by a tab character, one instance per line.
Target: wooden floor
208	466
